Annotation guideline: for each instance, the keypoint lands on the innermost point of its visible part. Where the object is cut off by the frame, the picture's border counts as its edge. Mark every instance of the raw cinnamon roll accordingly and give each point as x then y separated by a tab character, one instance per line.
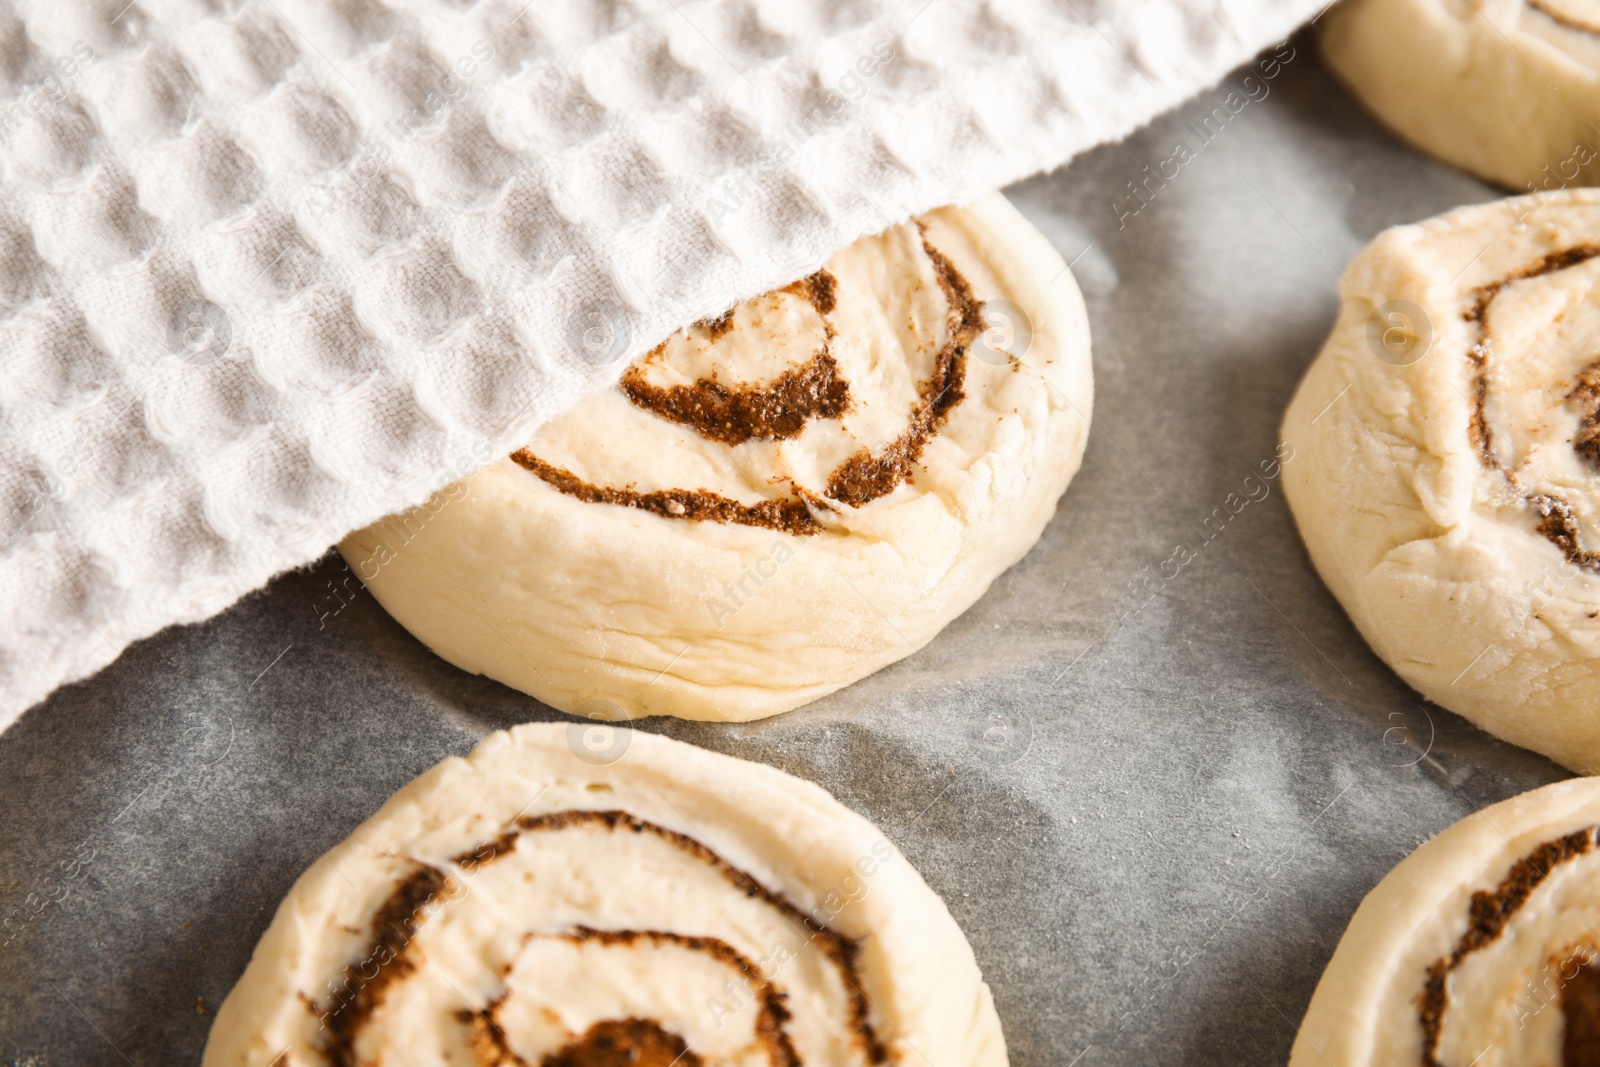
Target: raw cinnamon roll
775	502
1481	948
1446	470
554	902
1506	89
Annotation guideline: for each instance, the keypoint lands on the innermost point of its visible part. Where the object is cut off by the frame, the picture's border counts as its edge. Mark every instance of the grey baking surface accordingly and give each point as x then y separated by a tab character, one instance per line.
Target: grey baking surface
1193	780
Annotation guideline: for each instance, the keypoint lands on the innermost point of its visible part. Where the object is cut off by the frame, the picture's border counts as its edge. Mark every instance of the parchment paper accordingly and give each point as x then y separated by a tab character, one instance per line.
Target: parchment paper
1153	771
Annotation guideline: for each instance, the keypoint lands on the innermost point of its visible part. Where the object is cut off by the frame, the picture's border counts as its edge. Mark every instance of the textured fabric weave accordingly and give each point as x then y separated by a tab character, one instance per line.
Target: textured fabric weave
272	269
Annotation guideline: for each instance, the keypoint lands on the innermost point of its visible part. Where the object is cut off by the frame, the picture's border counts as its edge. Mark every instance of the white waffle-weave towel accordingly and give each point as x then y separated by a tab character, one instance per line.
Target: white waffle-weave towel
271	269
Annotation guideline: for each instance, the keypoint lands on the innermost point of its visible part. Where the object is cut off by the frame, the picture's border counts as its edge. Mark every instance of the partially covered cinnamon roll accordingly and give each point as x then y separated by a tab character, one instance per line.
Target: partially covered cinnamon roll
772	503
586	895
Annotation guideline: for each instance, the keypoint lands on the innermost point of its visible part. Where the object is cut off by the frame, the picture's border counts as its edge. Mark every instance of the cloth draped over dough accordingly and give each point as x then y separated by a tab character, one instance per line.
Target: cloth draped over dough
273	271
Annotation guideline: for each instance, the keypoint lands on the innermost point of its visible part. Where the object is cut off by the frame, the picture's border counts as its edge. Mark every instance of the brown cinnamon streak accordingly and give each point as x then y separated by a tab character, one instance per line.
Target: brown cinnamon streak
788	516
866	476
734	415
1585	396
770	1019
1558	522
627	1042
840	950
394	925
1580	1011
610	1042
819	287
1489	913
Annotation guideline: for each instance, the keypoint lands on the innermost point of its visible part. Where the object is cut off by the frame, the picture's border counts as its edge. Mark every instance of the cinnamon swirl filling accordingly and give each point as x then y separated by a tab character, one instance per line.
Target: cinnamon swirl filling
543	956
807	393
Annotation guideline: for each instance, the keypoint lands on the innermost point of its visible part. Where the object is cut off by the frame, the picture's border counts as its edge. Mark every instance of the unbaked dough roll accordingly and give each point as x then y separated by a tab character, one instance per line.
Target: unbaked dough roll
1445	470
589	895
773	503
1481	949
1506	89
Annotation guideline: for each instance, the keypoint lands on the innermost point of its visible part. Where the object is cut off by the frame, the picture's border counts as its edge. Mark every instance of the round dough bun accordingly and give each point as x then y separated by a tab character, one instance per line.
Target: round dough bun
586	894
1481	948
774	503
1505	89
1443	465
